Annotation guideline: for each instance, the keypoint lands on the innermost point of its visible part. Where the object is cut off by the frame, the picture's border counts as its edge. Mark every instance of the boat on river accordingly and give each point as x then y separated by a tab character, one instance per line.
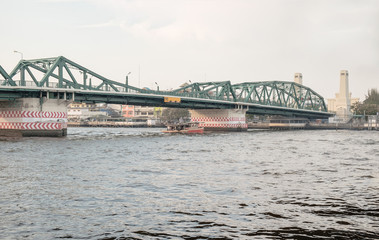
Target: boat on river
187	128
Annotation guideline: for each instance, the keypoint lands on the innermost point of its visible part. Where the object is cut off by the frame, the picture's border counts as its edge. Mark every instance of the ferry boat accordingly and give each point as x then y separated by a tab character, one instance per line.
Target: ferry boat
190	127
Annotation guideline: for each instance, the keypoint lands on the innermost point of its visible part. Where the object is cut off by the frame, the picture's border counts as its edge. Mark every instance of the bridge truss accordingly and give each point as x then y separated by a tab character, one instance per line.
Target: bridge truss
62	78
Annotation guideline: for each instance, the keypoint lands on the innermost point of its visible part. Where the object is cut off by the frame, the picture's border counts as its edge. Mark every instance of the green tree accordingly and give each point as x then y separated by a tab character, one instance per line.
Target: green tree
370	106
372	97
174	114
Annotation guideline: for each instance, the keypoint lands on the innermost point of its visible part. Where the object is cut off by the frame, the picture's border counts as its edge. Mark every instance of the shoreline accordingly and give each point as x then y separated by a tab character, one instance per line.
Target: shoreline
264	126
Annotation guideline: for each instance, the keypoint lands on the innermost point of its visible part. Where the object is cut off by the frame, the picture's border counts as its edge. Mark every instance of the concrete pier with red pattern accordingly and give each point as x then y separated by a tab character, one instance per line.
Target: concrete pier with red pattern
33	117
220	119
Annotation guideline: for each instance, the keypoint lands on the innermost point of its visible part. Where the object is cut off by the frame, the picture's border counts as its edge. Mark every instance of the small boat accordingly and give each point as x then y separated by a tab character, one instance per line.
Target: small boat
190	127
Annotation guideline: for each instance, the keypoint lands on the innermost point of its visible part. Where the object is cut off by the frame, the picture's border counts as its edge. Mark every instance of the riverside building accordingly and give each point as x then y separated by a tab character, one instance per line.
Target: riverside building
341	105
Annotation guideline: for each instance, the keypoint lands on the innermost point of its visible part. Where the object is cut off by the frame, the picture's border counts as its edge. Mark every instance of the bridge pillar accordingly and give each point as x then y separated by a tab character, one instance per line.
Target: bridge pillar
33	117
220	119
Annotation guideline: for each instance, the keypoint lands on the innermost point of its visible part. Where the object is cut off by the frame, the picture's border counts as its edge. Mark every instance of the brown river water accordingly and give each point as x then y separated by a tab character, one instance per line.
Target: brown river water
122	183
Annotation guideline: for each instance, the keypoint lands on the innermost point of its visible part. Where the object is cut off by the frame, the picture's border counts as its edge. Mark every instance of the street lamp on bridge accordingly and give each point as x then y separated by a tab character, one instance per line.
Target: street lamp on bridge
127	81
157	86
22	55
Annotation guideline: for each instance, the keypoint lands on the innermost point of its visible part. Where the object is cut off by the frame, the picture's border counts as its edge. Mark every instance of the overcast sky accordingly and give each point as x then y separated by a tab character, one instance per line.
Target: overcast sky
173	41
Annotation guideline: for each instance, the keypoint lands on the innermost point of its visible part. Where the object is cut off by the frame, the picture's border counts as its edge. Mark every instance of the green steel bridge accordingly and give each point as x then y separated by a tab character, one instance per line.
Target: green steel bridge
61	78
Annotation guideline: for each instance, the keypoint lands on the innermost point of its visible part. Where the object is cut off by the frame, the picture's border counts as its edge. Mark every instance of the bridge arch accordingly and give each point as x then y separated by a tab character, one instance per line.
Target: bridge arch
281	94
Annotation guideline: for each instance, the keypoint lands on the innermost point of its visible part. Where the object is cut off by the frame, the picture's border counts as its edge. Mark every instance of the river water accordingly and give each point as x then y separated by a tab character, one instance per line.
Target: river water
124	183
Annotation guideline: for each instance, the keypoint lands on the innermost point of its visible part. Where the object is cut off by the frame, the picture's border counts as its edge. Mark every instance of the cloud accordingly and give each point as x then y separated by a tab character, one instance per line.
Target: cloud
60	1
241	40
110	23
176	20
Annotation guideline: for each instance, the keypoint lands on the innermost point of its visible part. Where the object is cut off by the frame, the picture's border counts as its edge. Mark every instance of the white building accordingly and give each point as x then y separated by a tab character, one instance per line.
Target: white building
342	103
299	78
78	111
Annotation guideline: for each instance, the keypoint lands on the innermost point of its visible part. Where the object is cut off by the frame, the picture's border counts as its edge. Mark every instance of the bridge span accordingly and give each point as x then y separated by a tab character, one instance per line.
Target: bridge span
48	85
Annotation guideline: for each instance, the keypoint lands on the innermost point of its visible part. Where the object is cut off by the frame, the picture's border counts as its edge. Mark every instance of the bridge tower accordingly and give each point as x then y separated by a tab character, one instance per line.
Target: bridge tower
343	97
299	78
342	103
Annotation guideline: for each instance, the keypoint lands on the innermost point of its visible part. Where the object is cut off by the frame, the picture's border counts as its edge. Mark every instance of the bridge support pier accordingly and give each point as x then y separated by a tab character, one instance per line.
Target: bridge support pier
220	119
40	117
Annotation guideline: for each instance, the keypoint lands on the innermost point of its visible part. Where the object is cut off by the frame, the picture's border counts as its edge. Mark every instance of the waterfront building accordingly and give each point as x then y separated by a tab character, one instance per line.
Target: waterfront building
142	112
341	104
128	111
147	112
84	111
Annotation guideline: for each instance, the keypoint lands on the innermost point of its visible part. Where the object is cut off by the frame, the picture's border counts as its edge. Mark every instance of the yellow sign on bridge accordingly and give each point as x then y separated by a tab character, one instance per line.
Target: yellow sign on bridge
172	99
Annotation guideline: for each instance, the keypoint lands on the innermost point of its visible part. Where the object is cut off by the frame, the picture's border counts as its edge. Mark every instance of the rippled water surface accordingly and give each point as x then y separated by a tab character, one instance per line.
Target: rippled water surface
102	183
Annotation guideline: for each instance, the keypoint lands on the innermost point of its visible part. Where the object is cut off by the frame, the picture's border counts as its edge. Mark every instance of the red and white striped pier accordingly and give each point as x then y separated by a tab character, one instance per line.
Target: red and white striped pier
220	119
26	117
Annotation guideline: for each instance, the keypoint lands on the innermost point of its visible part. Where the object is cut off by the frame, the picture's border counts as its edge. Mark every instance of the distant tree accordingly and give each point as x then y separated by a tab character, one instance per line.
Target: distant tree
370	106
372	97
174	114
356	108
252	117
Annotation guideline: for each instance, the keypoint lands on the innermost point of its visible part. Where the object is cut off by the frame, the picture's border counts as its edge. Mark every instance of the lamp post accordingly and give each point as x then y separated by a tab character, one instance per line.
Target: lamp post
157	86
127	81
22	55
